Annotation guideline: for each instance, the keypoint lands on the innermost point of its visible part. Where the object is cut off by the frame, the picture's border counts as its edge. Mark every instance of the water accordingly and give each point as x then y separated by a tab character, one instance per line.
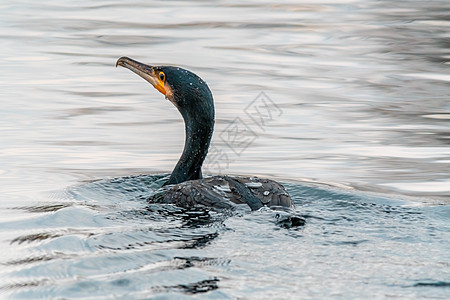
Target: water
358	130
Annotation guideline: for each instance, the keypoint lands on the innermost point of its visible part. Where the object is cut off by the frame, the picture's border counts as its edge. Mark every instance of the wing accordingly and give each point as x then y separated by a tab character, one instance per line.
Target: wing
227	192
268	192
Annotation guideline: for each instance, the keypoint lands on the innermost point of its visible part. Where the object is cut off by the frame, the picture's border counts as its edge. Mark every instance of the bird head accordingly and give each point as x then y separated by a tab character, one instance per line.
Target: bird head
193	99
187	91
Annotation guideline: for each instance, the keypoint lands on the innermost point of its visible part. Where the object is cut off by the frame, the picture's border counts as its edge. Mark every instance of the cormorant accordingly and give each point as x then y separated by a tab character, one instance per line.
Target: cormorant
186	187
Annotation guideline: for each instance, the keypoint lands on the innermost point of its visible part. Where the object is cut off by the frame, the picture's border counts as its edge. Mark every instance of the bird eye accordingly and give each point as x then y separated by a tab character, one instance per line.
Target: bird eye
162	76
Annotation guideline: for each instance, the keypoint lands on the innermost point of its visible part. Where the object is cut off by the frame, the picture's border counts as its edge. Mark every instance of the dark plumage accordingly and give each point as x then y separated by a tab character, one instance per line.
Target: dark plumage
185	187
226	192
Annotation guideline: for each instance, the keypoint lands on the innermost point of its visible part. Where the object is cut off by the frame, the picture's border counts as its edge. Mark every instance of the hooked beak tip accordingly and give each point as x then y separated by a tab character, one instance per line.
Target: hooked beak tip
118	61
121	61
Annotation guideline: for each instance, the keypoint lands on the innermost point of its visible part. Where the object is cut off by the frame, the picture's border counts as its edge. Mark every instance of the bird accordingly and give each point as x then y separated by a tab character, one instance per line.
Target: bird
186	186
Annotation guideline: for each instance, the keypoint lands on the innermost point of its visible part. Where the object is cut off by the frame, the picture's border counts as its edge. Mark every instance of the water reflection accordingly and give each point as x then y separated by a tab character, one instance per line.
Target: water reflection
359	75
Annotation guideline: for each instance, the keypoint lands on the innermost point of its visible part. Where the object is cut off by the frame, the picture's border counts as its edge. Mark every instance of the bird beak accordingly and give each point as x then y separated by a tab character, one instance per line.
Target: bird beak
145	71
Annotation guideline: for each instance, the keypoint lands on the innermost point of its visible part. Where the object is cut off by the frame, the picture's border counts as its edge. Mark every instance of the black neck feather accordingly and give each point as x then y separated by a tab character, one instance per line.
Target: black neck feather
197	108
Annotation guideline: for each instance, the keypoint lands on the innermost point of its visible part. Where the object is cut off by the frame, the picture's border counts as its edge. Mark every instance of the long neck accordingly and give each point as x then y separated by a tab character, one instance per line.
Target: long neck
198	137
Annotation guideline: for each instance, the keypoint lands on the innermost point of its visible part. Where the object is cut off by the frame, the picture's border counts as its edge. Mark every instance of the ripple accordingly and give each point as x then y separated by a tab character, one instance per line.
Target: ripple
363	89
34	237
433	284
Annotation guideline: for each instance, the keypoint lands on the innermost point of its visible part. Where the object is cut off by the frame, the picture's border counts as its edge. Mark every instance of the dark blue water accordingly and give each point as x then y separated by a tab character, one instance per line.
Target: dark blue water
103	240
358	131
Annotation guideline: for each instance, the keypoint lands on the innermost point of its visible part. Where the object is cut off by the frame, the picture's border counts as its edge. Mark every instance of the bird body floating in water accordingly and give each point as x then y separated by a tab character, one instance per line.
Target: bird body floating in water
186	187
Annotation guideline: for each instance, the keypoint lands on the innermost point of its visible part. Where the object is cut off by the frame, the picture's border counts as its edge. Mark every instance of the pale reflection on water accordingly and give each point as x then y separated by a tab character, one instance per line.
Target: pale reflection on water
361	90
353	80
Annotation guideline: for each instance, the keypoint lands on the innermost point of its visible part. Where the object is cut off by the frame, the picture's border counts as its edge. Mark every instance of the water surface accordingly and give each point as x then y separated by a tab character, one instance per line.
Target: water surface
357	128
